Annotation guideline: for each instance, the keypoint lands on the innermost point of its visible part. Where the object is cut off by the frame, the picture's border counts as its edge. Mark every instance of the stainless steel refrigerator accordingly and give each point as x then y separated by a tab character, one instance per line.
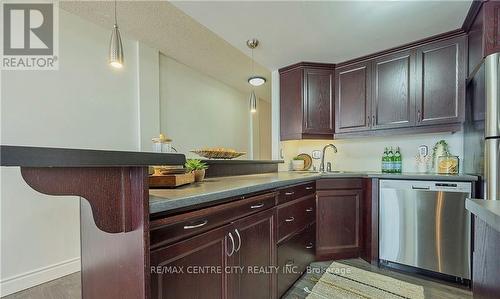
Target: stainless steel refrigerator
482	126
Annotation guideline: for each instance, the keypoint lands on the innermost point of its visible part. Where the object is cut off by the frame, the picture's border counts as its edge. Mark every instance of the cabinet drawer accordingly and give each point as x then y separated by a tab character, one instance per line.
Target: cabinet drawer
294	216
330	184
174	228
295	192
294	256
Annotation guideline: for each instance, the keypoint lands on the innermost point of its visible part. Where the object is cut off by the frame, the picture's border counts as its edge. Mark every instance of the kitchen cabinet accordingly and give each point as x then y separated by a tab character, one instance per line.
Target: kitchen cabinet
241	233
255	247
393	103
294	256
174	267
306	101
353	98
440	82
338	219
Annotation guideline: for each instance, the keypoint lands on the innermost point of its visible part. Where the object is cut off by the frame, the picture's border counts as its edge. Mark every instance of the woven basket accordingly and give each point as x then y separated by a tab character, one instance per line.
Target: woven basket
218	154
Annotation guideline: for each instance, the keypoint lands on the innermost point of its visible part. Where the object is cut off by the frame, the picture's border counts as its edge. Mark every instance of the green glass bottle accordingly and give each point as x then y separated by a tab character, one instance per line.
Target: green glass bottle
385	159
390	161
398	161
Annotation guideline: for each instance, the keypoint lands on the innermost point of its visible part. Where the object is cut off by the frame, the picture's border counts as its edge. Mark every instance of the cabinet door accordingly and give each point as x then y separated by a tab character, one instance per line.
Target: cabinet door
353	98
173	267
441	82
338	223
291	120
318	101
393	103
255	239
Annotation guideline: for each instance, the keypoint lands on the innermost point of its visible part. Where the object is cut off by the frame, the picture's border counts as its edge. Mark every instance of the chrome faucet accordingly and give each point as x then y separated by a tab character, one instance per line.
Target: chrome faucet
322	166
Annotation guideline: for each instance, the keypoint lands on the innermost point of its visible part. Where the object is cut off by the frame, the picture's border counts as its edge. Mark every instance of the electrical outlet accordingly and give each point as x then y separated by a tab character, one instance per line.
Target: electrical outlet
316	154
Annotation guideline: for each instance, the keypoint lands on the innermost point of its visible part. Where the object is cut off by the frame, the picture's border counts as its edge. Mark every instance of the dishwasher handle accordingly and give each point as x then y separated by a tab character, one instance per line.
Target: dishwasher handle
420	188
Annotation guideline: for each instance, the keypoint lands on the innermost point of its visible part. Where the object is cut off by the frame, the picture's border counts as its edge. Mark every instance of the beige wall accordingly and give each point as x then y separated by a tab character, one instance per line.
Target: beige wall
199	111
365	154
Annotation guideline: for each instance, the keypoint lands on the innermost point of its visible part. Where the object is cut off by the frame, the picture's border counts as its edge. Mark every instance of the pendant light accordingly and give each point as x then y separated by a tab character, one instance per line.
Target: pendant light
254	80
115	58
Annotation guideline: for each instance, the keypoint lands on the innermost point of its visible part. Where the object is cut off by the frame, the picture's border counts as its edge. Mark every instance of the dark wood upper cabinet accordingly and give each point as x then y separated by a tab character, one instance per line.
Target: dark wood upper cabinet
393	103
353	98
306	101
256	243
338	221
318	101
441	75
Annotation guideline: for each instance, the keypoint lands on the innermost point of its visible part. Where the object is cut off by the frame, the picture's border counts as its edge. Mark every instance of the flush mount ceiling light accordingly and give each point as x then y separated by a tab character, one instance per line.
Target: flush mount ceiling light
115	57
254	80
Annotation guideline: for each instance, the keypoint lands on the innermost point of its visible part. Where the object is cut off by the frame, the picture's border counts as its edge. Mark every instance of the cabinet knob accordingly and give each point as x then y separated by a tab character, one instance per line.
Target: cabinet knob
291	219
289	193
310	245
369	121
309	209
257	206
309	188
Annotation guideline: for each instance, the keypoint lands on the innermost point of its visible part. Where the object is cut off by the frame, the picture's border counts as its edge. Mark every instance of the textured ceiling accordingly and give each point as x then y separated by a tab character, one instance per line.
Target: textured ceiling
163	26
325	31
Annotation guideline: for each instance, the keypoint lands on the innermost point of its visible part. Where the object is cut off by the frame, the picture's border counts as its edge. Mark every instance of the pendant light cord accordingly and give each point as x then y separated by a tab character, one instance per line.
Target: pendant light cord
253	65
116	22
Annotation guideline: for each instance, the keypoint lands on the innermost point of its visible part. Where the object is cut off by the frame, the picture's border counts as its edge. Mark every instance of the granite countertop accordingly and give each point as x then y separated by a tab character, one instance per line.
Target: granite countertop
215	189
486	210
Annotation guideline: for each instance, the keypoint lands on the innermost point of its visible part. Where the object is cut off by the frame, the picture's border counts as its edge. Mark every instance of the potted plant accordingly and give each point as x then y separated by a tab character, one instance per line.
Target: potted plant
297	163
198	167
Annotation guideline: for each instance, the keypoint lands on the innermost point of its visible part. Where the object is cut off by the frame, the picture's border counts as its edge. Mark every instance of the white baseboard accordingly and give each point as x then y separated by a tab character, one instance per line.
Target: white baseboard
35	277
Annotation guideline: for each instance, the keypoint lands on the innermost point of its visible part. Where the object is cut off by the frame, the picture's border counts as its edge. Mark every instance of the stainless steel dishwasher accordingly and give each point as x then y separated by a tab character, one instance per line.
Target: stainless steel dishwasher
424	224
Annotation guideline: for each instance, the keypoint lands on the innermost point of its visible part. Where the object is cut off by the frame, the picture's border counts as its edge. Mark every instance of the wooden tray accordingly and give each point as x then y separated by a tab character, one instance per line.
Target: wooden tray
171	180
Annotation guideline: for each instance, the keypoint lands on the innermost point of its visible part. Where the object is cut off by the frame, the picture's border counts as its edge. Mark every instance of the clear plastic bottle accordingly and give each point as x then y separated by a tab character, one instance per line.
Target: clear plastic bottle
398	161
390	161
385	161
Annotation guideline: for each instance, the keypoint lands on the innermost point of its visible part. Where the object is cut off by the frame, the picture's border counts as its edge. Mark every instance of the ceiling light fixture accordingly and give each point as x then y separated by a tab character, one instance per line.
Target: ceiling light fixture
115	58
254	80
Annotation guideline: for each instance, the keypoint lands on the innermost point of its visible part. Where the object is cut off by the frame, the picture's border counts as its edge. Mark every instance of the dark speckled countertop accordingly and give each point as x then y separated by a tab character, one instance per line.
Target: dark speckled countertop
215	189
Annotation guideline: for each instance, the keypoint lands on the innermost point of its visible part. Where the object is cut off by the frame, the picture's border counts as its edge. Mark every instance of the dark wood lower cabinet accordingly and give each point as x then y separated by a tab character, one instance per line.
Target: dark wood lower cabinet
294	255
338	222
256	244
227	262
174	267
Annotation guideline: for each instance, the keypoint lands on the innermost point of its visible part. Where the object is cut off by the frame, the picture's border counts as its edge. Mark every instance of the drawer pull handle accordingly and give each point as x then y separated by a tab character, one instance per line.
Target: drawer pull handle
239	240
309	246
289	193
257	206
290	219
232	242
309	188
289	263
203	223
309	209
